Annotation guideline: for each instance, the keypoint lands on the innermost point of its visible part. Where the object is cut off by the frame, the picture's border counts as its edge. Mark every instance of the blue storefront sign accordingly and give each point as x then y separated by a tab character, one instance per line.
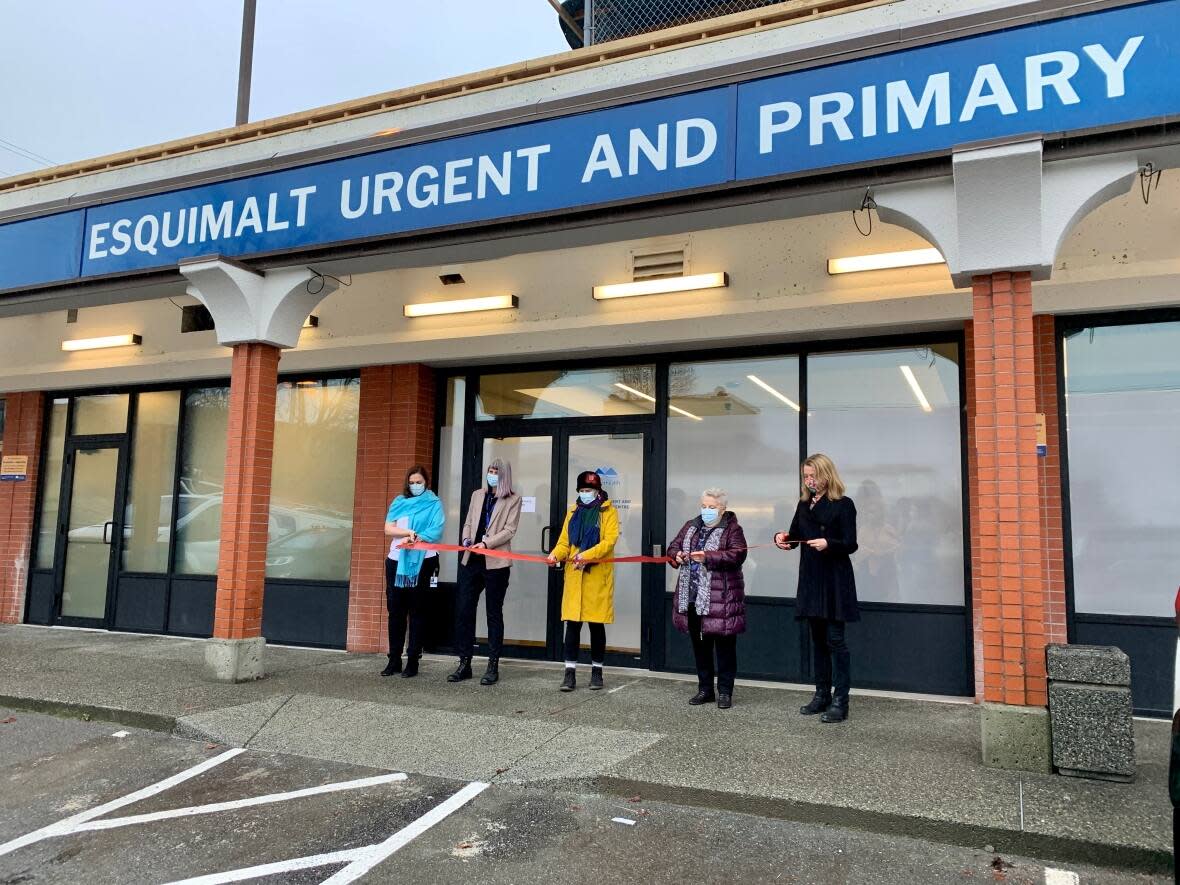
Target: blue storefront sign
1105	69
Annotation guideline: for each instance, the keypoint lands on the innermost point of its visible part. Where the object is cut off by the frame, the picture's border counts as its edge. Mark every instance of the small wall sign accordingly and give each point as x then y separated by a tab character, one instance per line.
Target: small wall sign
14	468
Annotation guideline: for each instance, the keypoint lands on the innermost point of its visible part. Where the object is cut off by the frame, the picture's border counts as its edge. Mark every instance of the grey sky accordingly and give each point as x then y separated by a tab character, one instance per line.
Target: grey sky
82	78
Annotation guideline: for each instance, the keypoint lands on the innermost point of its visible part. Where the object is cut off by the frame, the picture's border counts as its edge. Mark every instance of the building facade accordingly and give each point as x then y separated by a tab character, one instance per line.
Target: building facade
220	356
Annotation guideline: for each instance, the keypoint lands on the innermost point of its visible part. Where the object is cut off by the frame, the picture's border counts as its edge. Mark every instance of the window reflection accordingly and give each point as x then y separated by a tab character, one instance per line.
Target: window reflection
148	515
51	485
450	468
558	393
202	481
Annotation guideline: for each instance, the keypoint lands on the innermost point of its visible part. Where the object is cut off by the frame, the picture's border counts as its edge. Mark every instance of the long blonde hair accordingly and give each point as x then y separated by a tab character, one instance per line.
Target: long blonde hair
825	473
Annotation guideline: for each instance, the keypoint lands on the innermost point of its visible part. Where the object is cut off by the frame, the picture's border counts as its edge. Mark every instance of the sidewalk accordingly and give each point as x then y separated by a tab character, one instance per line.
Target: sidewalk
909	767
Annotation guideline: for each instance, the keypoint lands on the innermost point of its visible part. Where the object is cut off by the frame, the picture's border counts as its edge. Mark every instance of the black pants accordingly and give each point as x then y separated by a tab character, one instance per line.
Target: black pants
573	640
831	656
473	579
407	604
703	647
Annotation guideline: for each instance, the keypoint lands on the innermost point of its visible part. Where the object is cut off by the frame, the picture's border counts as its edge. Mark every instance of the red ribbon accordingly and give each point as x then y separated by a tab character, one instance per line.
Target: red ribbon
535	557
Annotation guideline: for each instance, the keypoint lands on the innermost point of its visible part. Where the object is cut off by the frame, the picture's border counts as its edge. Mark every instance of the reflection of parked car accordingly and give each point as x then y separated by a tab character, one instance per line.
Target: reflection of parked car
320	553
1128	567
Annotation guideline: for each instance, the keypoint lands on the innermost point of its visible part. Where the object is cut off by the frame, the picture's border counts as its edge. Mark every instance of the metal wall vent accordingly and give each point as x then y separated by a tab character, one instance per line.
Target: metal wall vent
195	318
657	265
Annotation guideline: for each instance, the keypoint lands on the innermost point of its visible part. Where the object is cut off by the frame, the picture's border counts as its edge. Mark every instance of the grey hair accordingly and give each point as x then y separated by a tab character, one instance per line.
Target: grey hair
719	493
504	470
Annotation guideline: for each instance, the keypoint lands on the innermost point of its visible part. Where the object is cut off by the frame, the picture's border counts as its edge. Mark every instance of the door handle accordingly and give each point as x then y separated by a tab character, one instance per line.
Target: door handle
545	532
657	549
106	526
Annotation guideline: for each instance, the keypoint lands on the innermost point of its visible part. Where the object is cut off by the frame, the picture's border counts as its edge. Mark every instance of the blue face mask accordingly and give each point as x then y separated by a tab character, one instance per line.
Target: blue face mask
493	480
417	488
587	497
709	515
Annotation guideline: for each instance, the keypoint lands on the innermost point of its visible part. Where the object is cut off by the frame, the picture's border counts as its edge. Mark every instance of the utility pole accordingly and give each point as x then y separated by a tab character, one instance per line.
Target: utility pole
246	61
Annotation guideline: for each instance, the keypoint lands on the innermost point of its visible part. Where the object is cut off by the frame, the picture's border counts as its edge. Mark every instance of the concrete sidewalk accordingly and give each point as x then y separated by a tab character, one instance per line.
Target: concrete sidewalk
900	766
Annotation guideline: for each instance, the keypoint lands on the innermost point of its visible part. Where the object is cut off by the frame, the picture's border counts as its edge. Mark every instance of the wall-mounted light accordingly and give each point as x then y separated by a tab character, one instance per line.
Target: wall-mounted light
98	343
463	305
885	261
917	389
662	286
311	322
790	402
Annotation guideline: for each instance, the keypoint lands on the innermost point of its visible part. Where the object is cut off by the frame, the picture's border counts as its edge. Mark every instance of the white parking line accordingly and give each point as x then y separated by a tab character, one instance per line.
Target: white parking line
274	869
374	854
64	827
1061	877
215	807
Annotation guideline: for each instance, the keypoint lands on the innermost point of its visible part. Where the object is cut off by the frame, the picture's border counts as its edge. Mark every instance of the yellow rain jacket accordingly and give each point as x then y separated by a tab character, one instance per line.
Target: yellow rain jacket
589	594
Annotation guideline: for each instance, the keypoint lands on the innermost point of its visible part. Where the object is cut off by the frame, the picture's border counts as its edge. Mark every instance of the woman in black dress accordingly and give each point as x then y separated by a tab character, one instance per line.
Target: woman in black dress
825	526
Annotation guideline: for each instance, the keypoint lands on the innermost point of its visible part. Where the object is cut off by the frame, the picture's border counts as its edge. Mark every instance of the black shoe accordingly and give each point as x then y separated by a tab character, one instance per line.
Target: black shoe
704	696
394	666
595	678
463	671
569	682
838	712
411	668
724	701
492	676
820	702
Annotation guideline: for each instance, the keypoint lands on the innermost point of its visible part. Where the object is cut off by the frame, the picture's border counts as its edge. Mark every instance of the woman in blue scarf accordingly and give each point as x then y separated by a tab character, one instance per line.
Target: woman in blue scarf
415	515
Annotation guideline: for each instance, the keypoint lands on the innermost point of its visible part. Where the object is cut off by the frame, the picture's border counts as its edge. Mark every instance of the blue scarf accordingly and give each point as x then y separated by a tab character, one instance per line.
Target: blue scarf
584	530
426	517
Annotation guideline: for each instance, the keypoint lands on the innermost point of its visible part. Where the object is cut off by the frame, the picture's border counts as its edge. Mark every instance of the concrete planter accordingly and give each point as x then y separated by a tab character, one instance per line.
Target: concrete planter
1090	711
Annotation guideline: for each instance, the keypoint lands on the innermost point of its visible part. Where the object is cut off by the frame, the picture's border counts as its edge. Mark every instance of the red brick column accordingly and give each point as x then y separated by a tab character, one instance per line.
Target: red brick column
1006	528
24	420
241	566
1052	536
395	430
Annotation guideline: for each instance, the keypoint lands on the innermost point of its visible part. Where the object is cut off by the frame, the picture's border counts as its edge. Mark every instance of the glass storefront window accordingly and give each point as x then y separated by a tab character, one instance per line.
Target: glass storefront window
101	413
55	449
890	419
313	479
568	393
2	410
1122	395
735	424
450	469
147	516
202	481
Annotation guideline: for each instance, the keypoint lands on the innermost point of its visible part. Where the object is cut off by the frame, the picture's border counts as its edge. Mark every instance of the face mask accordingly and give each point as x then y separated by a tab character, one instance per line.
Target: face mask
587	497
709	515
417	488
493	480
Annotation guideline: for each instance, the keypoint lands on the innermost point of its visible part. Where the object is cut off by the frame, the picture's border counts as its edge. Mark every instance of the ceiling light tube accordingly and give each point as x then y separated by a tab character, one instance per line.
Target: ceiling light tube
790	402
885	261
638	393
662	286
98	343
463	305
680	411
917	389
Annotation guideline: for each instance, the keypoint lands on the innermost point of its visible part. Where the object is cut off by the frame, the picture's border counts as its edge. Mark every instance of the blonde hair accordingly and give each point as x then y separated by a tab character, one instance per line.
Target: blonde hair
825	474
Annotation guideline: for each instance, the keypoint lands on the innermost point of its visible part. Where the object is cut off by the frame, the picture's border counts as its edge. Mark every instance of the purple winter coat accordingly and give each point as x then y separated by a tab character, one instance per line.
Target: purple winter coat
727	592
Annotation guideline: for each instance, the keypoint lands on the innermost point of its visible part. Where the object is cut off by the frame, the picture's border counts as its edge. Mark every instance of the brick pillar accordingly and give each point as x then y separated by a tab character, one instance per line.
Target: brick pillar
23	423
235	653
1052	534
395	430
1007	529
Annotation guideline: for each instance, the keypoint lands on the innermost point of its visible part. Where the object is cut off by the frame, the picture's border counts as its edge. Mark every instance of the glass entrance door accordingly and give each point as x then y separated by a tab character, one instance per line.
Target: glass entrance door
89	532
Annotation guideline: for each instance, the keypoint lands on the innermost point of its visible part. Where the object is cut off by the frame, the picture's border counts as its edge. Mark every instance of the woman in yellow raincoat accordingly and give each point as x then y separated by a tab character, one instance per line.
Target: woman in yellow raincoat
590	532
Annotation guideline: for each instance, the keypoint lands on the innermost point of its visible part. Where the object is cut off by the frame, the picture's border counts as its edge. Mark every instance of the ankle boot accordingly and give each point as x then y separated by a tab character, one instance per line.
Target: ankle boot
394	665
595	678
838	712
492	676
819	702
463	671
569	682
411	668
704	696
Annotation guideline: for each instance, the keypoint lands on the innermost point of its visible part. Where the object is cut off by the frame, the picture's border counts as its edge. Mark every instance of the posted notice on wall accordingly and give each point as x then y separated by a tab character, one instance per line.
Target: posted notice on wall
1042	436
14	468
528	504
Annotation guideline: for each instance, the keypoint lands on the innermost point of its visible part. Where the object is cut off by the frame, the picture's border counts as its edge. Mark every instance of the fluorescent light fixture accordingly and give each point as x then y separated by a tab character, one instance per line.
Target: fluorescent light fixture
463	305
917	389
885	261
663	286
98	343
790	402
680	411
638	393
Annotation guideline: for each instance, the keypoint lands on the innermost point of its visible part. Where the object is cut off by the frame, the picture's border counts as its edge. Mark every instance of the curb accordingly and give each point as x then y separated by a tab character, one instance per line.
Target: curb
130	718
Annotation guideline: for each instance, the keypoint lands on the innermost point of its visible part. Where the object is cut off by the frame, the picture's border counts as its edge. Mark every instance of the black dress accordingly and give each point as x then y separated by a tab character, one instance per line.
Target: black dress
827	587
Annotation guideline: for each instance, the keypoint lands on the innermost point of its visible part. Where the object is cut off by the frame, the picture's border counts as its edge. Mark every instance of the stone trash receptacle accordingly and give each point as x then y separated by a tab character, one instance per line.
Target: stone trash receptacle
1090	711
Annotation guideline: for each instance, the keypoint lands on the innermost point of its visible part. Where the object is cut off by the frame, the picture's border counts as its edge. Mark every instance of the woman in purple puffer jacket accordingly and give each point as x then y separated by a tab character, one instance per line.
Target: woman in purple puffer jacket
710	595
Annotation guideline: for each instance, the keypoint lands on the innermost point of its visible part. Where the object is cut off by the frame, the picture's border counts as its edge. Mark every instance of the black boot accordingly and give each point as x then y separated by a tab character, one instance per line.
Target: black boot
569	682
595	678
492	676
411	667
394	665
463	671
724	701
819	702
704	696
838	712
